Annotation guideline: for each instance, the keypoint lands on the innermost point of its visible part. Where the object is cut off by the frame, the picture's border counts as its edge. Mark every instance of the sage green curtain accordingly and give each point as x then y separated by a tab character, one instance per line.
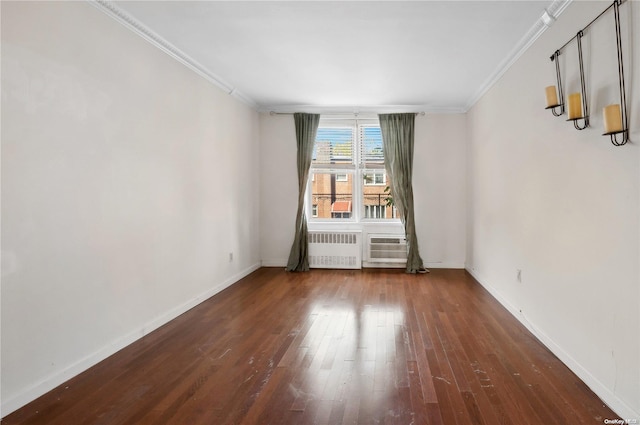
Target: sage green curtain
306	128
397	142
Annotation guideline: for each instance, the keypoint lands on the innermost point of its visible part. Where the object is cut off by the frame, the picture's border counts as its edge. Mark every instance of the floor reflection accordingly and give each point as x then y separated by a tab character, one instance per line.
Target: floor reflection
351	353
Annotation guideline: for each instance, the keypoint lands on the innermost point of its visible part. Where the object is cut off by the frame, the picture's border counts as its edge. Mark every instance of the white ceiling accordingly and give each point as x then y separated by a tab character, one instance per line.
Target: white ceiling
349	55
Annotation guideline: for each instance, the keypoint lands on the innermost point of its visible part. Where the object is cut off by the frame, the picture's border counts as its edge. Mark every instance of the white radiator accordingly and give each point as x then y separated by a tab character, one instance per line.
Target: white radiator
387	249
335	250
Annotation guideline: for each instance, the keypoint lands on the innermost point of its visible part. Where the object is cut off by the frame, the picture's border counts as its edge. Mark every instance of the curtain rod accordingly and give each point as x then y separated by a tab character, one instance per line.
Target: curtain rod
588	25
355	114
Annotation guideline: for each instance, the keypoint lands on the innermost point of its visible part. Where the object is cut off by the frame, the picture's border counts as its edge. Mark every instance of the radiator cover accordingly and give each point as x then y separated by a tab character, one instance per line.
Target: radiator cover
335	250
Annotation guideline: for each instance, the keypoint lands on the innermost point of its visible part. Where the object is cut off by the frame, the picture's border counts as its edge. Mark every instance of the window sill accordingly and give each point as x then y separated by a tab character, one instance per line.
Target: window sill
365	225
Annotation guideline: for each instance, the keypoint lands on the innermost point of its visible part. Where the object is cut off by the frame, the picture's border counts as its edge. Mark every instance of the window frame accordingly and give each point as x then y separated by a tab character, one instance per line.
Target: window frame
355	172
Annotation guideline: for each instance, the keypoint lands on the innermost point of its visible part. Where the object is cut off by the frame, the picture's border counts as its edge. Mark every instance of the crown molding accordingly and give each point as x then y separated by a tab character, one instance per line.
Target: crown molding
131	23
543	23
359	110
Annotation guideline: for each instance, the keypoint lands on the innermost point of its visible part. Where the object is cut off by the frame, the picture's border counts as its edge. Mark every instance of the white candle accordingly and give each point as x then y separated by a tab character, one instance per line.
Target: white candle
612	118
552	96
575	106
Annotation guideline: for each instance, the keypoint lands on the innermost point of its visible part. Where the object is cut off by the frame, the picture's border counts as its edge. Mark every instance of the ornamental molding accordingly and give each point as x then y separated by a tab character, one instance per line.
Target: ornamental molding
131	23
549	16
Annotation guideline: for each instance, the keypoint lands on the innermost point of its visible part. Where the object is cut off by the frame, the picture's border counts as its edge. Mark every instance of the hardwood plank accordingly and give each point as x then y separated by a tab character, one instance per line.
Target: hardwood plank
330	347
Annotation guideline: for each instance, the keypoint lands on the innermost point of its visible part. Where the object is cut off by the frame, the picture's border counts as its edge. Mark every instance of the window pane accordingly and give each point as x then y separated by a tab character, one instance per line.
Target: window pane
371	146
377	200
333	146
332	197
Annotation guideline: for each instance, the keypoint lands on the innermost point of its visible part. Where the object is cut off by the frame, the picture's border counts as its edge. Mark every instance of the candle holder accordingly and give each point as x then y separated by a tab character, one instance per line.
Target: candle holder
616	121
560	97
583	91
624	132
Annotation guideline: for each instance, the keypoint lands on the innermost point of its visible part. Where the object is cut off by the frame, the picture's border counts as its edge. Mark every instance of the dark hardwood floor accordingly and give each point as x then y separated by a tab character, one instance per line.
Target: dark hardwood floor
331	347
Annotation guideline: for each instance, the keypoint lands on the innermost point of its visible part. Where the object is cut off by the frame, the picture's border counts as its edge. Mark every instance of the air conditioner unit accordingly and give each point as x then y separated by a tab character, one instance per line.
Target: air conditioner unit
387	249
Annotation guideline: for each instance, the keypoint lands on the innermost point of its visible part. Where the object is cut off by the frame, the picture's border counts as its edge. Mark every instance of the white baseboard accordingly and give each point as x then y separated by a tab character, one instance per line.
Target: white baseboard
606	395
444	265
52	381
271	262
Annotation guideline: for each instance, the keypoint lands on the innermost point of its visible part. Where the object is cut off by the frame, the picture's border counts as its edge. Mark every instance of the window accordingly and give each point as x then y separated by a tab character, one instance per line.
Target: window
374	178
348	180
375	211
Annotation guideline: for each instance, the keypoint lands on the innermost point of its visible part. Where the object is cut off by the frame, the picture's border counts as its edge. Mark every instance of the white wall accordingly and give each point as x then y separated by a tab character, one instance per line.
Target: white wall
439	185
127	180
562	206
278	188
439	189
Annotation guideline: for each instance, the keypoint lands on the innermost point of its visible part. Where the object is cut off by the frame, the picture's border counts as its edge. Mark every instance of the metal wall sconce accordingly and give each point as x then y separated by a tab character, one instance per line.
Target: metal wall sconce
578	104
615	116
556	99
